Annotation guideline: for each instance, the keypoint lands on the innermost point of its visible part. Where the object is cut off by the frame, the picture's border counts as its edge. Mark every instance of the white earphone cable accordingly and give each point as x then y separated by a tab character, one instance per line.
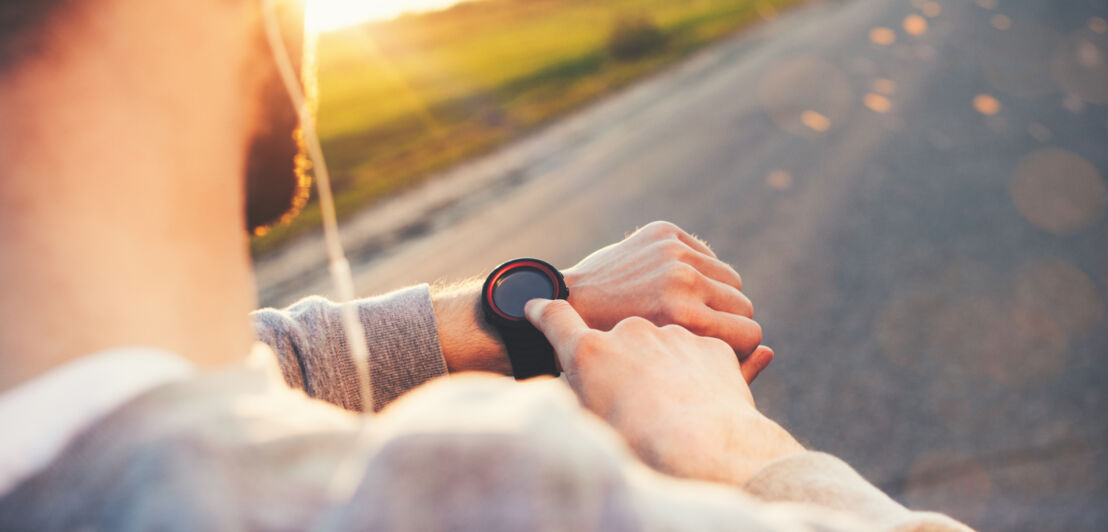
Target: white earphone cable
341	276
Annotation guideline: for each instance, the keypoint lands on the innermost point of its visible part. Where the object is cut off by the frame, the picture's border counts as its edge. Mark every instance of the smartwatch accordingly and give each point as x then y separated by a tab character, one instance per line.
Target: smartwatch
507	289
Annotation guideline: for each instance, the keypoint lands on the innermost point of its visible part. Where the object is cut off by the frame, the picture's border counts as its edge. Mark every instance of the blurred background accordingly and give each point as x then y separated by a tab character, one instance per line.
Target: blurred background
913	191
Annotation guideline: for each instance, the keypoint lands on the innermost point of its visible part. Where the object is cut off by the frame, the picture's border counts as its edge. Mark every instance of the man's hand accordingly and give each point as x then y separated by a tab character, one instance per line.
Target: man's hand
679	399
660	273
667	276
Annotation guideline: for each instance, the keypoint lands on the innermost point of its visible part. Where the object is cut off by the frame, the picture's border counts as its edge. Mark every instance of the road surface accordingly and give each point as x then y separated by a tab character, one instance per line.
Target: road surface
914	193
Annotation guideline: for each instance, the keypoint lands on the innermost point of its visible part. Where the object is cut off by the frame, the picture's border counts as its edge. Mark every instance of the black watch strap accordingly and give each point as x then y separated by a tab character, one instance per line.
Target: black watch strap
529	351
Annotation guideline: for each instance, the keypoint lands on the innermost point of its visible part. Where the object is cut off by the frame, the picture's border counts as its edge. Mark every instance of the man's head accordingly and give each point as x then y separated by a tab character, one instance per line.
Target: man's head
129	130
276	188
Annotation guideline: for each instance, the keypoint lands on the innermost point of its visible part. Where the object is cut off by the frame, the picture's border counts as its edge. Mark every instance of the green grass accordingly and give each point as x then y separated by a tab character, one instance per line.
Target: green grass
400	100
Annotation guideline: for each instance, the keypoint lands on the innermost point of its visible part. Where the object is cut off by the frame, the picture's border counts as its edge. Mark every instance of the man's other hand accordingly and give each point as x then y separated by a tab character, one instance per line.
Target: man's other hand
679	399
669	277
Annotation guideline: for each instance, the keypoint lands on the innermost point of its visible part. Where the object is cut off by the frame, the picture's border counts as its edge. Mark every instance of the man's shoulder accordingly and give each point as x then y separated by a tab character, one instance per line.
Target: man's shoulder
239	446
179	457
239	450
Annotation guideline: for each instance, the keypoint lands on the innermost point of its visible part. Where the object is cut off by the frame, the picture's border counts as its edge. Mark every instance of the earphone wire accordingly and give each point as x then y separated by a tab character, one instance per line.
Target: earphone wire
348	473
339	266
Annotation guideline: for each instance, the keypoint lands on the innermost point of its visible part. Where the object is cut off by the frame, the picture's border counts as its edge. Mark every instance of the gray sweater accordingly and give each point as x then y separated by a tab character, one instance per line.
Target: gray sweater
249	449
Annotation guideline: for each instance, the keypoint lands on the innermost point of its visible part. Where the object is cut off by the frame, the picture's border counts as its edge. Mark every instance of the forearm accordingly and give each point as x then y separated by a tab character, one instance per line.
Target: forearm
468	342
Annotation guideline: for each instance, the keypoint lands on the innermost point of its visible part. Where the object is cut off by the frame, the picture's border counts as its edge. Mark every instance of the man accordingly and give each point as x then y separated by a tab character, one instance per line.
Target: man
127	128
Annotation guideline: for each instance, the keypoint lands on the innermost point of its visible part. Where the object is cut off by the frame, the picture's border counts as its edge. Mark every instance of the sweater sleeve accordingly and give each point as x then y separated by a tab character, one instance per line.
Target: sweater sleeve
310	345
822	480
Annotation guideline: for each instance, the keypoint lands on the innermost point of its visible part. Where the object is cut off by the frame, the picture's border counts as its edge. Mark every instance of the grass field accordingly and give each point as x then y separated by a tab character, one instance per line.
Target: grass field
400	100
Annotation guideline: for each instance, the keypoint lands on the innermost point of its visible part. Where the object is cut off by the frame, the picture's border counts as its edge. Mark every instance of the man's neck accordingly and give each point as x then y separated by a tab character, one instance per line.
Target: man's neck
121	196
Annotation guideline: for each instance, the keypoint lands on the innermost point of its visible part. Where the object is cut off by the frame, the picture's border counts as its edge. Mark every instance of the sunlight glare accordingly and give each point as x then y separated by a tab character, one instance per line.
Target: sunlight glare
328	15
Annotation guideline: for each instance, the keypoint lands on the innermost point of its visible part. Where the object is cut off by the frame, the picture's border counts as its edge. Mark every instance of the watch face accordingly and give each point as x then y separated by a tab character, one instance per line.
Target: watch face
518	286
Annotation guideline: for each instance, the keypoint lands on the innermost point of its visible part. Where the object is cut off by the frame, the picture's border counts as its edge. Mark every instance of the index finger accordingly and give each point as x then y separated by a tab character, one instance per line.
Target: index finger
557	320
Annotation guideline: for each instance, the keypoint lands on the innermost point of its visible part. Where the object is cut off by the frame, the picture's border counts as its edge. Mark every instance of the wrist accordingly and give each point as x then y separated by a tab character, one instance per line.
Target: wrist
757	442
577	283
468	342
571	277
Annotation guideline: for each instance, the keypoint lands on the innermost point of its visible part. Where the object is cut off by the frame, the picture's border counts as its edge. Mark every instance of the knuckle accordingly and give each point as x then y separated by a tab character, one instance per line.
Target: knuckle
635	324
676	313
743	305
716	344
673	248
662	227
677	330
754	333
588	346
681	276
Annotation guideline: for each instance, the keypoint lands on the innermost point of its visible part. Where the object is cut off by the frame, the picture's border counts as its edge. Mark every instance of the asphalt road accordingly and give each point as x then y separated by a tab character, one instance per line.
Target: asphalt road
915	197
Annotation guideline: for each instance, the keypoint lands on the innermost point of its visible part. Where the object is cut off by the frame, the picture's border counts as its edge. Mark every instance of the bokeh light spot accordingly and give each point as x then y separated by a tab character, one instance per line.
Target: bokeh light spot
766	10
1087	54
1098	25
876	102
882	36
932	9
1039	132
1059	290
915	25
779	180
1058	191
815	121
1073	103
1080	65
1024	347
1001	22
986	4
986	104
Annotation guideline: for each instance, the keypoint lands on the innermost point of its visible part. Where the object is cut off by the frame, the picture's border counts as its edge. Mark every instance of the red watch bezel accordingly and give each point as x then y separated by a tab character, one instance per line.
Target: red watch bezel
490	285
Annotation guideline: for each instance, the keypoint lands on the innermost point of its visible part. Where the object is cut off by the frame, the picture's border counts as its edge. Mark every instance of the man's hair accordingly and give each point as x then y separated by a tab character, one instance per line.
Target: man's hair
21	28
278	181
